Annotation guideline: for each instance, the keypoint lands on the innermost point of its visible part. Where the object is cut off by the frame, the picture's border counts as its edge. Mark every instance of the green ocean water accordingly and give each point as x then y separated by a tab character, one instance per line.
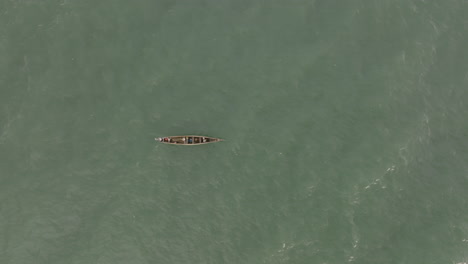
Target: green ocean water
345	125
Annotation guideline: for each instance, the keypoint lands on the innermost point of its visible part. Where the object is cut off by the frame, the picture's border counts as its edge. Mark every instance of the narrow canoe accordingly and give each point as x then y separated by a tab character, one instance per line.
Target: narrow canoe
188	140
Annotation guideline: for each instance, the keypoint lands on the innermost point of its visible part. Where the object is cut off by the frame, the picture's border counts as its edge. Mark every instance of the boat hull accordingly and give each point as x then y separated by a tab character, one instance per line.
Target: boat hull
189	140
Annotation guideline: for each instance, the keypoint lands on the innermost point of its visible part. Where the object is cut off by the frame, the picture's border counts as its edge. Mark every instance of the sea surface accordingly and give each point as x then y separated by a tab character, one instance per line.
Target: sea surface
345	127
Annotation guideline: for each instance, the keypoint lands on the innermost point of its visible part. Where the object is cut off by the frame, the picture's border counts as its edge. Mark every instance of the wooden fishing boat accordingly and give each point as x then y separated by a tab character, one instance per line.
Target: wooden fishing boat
188	140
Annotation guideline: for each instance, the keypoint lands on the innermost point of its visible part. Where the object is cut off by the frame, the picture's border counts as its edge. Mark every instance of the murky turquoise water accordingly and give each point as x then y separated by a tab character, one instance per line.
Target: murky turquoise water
345	125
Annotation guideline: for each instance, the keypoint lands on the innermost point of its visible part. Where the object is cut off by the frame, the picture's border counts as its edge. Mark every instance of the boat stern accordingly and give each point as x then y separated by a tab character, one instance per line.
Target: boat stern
163	139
